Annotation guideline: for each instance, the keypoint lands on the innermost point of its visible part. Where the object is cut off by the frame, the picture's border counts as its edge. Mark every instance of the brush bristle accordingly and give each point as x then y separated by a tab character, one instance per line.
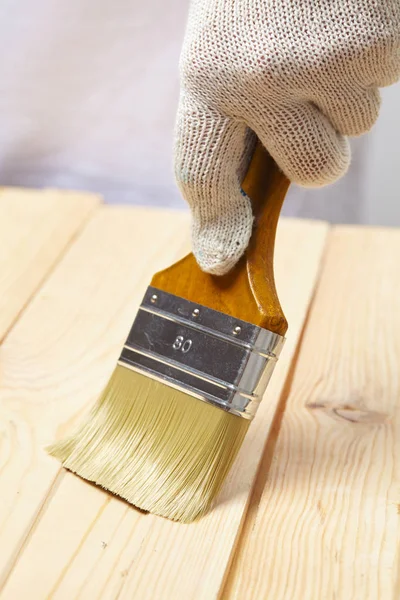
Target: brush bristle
160	449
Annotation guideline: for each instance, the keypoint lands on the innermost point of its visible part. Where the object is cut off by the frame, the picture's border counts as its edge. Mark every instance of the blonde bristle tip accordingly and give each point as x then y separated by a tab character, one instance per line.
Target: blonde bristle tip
160	449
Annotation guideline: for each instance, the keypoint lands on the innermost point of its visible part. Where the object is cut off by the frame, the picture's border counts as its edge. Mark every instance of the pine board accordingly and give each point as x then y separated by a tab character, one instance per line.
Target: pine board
324	517
59	354
35	228
65	538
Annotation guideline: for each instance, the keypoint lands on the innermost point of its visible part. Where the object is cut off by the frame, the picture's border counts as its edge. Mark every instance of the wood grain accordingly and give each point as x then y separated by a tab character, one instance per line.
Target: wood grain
90	544
59	355
324	517
248	291
35	228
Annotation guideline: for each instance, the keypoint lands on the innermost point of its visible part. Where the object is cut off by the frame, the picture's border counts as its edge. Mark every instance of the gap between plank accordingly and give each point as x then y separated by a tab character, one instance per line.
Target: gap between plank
36	518
327	518
261	478
74	236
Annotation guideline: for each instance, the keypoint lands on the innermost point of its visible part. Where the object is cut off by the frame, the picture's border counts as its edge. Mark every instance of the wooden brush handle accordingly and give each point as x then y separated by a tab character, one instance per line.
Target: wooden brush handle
248	291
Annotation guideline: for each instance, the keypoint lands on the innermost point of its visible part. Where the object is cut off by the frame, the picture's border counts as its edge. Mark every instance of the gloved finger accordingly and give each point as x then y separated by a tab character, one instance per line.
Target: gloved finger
304	143
353	111
212	153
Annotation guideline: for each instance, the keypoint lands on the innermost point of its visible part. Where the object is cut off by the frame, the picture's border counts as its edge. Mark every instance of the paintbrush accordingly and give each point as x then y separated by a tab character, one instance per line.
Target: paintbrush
191	374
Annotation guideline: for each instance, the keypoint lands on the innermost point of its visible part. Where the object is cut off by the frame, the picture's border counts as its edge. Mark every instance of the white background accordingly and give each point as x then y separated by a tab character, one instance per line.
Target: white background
88	93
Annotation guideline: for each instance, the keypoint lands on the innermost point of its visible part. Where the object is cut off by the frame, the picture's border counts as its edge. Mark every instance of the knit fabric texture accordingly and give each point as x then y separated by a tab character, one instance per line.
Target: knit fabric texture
301	75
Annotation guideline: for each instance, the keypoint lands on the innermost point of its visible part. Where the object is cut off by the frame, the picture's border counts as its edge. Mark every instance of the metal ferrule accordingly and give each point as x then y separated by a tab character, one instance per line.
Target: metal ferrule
205	353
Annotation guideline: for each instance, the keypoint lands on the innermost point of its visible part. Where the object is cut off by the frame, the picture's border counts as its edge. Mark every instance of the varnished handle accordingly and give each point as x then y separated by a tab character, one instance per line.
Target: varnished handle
248	291
267	186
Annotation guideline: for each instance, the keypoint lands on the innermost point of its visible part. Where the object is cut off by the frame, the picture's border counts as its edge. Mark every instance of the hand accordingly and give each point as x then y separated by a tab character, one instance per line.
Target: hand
301	75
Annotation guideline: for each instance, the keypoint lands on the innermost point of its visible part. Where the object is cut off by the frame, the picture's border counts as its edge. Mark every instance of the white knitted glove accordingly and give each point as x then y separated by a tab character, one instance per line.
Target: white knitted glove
301	74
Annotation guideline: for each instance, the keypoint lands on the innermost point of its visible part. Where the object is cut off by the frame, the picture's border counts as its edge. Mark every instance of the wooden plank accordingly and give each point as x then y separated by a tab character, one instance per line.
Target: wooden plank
35	228
91	544
59	354
324	516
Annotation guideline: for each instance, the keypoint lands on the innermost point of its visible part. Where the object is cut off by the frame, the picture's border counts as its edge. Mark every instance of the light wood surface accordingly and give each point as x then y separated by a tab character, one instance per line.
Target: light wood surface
35	228
323	521
59	536
59	355
313	517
